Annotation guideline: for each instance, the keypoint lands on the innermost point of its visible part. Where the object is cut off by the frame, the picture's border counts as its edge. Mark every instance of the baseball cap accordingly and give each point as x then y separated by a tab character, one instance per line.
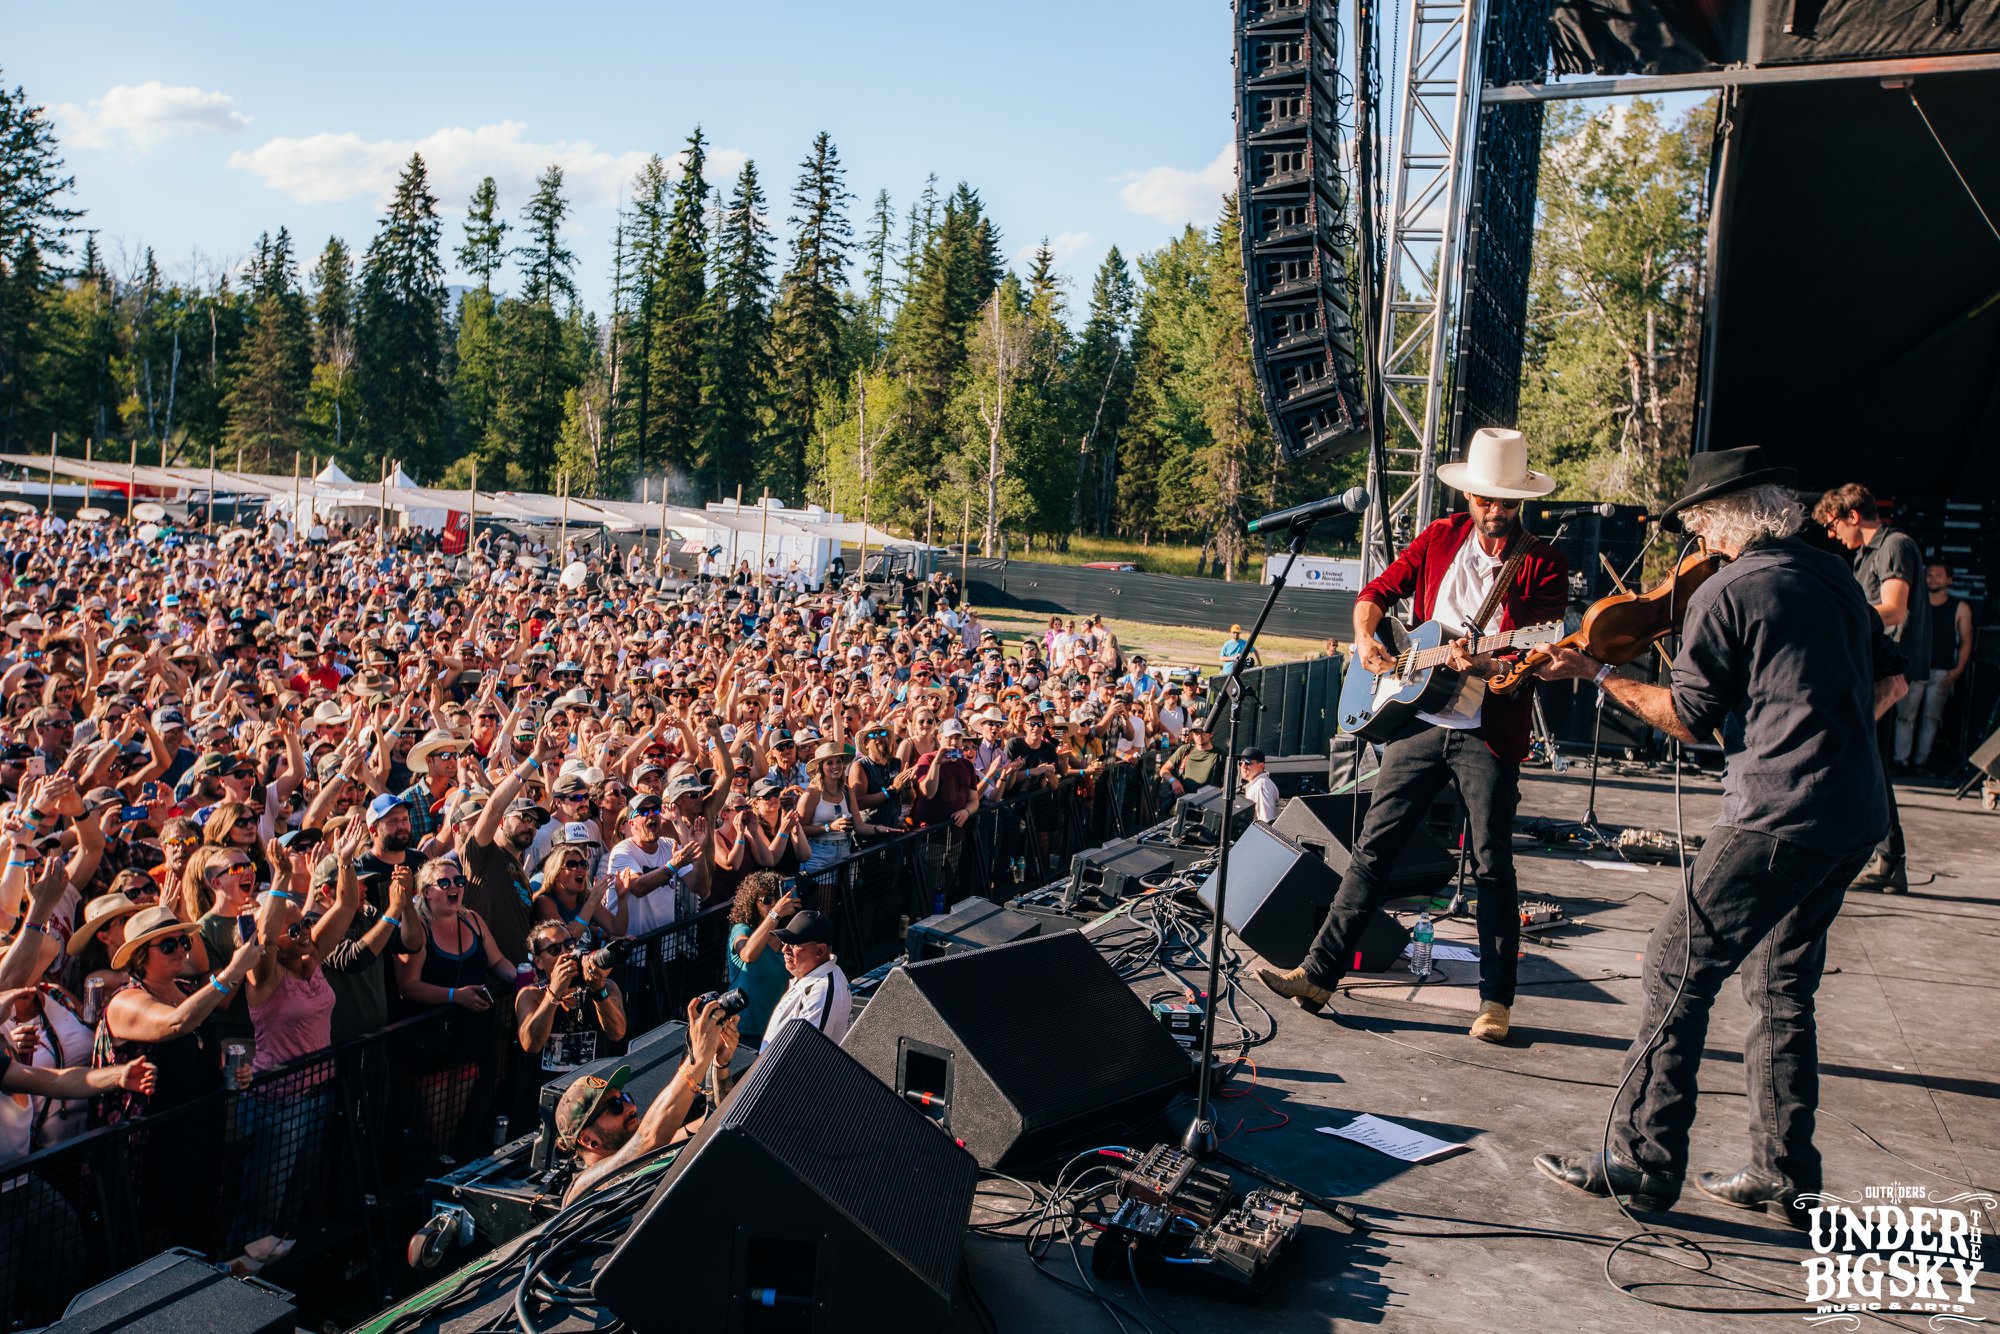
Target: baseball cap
806	928
581	1102
382	805
1252	755
687	785
577	832
952	727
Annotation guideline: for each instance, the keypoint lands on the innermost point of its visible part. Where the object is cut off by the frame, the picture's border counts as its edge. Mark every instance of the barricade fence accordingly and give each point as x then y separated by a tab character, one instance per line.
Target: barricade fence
335	1150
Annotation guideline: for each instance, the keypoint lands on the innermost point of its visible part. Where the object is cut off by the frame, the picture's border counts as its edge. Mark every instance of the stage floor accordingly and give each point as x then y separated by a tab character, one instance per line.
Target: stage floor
1909	1050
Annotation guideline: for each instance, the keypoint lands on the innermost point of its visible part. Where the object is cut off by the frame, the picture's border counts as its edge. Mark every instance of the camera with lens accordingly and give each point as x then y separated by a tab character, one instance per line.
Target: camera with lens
733	1001
606	958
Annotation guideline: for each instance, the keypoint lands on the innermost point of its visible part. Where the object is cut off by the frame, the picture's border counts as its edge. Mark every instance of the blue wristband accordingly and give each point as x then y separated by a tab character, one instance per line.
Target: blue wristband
396	922
288	898
449	994
219	985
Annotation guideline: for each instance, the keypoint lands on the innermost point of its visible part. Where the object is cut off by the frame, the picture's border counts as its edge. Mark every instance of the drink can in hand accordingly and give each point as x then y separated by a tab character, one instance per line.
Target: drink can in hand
235	1061
93	1000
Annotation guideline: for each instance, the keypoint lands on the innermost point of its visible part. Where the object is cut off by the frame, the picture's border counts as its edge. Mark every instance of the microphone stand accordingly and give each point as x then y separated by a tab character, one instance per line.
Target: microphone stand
1200	1140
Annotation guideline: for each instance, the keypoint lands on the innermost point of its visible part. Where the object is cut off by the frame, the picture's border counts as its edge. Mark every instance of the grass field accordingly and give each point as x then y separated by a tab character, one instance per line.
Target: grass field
1162	645
1159	558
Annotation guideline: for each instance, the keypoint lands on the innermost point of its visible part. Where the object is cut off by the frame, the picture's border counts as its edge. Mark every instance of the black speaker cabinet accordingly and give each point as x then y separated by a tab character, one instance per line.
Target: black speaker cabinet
1297	775
815	1200
177	1292
1023	1049
1198	816
1324	826
1117	870
1380	946
1278	894
970	924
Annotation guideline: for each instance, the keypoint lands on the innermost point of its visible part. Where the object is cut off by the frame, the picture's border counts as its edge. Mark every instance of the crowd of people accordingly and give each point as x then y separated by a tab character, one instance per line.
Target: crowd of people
263	795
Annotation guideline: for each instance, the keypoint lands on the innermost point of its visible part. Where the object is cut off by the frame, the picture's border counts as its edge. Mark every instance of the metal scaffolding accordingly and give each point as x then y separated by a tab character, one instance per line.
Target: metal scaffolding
1424	245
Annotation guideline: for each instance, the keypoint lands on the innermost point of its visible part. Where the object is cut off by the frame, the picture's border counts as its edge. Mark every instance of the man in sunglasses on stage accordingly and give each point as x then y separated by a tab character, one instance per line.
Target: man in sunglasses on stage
1477	572
602	1124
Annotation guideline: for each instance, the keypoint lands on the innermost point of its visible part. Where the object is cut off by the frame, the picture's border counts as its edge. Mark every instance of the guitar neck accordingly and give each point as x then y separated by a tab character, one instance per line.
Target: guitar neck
1527	634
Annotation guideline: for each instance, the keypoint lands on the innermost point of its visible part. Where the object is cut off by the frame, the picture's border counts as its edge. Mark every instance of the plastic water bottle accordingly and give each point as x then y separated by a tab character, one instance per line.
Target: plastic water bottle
1420	947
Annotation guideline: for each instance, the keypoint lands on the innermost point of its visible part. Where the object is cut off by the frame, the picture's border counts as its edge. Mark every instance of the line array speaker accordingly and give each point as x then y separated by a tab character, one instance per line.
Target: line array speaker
1294	201
1022	1049
816	1199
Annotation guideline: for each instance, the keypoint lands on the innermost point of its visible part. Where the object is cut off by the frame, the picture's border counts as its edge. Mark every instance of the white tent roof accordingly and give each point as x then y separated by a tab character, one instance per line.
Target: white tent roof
333	476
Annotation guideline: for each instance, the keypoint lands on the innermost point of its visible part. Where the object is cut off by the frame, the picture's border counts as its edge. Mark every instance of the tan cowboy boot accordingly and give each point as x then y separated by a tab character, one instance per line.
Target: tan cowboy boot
1297	986
1492	1023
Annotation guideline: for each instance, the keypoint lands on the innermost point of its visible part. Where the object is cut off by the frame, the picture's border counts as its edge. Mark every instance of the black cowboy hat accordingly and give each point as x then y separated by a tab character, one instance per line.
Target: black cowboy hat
1721	471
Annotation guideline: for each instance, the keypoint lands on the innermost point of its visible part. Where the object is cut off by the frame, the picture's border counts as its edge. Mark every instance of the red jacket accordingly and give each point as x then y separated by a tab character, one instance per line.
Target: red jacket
1540	592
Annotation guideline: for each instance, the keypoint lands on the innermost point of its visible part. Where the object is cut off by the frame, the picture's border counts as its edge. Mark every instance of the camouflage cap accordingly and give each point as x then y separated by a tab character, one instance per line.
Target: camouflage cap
581	1102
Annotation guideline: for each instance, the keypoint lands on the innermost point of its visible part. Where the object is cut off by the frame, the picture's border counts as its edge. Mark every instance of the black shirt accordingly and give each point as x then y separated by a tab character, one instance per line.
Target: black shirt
1783	637
1894	555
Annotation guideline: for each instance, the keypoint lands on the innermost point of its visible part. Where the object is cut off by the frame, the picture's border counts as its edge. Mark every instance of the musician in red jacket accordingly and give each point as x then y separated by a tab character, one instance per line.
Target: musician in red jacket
1477	741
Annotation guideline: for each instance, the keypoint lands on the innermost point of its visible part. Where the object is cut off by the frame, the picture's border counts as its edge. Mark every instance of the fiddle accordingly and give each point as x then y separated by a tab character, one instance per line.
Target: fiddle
1620	628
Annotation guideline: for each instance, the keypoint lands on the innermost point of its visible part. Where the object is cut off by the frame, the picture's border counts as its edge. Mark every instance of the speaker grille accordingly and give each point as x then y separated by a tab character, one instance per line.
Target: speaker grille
1051	1076
900	1181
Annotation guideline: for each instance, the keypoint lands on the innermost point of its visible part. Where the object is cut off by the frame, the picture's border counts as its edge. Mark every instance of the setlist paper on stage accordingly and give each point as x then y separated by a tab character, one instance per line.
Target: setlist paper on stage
1444	953
1398	1141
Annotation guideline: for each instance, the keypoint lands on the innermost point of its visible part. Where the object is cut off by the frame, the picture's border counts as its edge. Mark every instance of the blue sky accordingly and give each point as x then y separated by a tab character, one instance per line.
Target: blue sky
193	128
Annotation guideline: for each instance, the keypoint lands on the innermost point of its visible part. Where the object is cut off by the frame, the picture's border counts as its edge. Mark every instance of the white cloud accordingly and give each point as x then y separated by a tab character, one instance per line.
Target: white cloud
1065	247
328	168
142	116
1175	195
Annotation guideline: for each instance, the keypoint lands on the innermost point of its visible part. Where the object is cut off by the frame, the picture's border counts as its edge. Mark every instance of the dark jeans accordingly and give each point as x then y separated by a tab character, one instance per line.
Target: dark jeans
1415	769
1761	904
1891	846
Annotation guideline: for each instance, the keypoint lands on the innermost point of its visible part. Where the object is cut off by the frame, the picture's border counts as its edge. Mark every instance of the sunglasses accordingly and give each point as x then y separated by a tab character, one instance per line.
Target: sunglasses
241	868
172	944
242	822
449	883
1495	504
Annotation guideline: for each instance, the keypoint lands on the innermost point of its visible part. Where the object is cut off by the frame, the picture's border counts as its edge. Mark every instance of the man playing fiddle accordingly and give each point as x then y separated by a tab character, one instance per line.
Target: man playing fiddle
1480	572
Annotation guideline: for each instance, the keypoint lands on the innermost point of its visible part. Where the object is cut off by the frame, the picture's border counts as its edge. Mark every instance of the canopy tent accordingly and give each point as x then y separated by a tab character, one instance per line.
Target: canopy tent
812	537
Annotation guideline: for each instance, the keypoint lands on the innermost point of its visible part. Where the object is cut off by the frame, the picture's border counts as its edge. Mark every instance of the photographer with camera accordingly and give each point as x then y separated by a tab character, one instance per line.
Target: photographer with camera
601	1123
573	1005
818	992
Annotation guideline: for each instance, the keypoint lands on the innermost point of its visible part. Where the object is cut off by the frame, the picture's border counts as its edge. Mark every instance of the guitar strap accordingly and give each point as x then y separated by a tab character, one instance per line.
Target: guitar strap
1499	589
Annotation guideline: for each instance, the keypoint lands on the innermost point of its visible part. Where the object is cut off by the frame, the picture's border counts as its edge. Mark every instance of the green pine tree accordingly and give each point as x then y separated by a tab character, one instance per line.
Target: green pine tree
35	227
646	237
737	382
1101	390
808	323
272	372
332	403
485	246
400	332
543	354
877	300
680	317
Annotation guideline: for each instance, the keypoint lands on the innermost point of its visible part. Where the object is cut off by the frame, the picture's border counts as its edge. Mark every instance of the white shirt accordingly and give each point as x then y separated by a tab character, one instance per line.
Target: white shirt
648	912
1263	793
1465	587
819	998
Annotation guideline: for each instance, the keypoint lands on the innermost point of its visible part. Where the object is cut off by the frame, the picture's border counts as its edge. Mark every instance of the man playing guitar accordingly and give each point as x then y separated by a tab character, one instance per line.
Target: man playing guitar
1482	572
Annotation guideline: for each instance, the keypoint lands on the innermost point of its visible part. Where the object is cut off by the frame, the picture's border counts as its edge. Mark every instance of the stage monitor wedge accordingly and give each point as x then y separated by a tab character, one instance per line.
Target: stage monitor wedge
1021	1050
1296	242
816	1199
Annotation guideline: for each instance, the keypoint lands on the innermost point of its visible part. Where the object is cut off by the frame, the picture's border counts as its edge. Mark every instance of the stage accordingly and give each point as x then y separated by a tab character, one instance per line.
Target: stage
1909	1055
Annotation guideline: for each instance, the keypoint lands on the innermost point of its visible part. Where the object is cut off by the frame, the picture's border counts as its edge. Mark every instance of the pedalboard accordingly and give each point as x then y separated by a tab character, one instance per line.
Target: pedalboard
1184	1222
1537	914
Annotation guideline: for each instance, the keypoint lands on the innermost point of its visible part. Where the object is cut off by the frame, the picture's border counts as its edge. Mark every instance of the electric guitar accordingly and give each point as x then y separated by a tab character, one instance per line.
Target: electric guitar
1376	707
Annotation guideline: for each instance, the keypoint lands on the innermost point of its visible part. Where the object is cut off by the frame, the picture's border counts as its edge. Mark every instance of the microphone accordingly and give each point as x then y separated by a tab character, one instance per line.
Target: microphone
1352	501
1605	511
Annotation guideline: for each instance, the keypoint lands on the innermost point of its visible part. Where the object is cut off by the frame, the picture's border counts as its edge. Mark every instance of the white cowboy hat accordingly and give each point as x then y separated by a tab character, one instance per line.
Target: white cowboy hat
149	511
1496	467
92	514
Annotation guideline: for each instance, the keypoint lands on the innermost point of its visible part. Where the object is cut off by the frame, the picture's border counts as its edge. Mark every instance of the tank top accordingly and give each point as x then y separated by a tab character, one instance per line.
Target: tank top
829	846
445	969
186	1067
1944	633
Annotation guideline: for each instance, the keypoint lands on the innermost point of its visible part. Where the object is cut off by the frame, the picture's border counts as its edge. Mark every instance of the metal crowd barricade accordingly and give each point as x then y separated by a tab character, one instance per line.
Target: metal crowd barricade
336	1149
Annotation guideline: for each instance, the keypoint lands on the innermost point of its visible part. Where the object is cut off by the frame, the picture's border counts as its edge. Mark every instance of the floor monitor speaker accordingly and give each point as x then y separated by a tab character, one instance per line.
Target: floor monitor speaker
1020	1050
1326	826
815	1200
1278	894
